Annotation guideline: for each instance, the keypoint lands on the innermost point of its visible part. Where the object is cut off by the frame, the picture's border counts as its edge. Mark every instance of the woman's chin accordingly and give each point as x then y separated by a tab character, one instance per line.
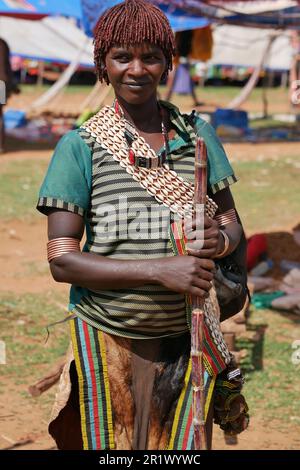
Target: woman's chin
136	97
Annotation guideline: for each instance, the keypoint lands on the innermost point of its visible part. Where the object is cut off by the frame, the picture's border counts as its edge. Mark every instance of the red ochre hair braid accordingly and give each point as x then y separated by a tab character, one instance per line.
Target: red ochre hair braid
128	23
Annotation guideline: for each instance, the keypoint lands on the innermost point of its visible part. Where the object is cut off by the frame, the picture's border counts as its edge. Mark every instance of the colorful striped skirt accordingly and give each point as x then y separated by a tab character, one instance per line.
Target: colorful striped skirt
128	394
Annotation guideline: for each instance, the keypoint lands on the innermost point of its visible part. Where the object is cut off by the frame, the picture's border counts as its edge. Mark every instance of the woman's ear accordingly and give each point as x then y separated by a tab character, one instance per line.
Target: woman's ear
104	73
164	76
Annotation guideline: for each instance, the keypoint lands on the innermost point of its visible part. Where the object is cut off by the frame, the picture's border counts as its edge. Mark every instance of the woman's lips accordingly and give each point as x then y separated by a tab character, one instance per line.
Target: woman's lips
136	85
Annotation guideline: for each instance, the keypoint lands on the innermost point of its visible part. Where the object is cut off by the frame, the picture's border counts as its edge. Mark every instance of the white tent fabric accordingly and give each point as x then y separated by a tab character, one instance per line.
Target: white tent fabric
58	86
59	39
243	47
55	39
259	6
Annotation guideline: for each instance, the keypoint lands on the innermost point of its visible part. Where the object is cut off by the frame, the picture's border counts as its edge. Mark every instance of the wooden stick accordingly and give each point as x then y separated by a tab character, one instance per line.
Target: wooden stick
197	333
21	442
47	382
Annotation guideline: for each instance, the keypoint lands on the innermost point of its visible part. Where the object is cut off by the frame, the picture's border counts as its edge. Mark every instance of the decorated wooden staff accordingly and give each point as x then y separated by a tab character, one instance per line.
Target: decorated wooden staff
197	331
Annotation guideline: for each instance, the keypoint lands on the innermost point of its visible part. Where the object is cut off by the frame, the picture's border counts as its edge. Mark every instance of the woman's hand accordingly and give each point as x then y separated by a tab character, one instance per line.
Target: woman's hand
205	242
186	274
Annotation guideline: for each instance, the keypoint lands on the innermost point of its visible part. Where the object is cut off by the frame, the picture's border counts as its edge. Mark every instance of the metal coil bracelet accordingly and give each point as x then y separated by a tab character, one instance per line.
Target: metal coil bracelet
60	246
226	217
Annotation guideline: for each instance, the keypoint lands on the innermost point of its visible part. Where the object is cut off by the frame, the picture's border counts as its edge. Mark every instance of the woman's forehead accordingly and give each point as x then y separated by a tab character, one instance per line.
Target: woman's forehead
136	48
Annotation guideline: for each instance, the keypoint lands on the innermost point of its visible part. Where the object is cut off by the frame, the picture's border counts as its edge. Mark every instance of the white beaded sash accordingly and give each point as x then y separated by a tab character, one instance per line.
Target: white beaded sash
163	184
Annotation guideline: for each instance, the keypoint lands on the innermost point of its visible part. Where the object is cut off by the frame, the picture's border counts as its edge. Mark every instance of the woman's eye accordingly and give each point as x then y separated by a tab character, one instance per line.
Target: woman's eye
122	58
151	58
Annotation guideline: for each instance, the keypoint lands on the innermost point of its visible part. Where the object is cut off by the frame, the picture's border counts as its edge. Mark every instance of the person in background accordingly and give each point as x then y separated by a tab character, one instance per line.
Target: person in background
6	76
192	46
180	80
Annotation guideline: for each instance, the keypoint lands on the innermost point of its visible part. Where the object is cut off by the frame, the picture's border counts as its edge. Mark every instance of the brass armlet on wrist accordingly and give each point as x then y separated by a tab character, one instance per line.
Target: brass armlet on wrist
226	217
226	245
60	246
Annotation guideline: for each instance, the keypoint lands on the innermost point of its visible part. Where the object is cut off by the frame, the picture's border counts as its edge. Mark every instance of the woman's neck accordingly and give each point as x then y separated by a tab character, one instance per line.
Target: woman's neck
146	117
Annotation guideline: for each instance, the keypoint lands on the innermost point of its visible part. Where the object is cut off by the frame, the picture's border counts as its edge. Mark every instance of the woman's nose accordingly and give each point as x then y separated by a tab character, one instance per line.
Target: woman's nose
136	67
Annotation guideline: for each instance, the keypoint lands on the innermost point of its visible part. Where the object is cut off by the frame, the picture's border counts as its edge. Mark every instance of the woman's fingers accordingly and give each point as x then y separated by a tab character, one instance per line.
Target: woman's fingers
212	232
202	284
203	253
200	244
206	275
198	224
195	291
203	242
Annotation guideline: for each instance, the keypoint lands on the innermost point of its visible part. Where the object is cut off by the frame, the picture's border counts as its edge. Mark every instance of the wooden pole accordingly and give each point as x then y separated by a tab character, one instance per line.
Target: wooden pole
251	83
197	331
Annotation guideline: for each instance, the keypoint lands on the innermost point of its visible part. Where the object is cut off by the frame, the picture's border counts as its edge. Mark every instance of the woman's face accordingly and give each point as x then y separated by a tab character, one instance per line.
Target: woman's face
135	71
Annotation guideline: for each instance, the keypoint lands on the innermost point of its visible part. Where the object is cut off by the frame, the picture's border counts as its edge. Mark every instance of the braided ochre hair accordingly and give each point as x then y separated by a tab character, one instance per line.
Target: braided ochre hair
132	22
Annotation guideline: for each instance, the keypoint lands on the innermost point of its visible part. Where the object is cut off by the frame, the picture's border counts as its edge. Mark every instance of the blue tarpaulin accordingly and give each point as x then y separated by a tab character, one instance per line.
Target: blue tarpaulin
256	14
179	19
182	14
191	14
187	14
88	12
36	9
287	18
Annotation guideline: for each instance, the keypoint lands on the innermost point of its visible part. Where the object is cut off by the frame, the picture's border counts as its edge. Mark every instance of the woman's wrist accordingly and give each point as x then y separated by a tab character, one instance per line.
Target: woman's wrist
225	245
152	270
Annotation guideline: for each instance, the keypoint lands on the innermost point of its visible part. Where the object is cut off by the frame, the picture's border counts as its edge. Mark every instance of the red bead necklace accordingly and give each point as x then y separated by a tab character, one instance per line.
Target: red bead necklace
130	136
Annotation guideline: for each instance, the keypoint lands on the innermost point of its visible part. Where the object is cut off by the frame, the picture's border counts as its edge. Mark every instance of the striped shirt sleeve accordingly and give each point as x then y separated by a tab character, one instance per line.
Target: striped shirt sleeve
67	184
220	172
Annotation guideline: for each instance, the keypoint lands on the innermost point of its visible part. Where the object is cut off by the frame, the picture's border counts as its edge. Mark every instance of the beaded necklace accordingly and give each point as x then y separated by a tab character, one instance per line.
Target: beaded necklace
130	133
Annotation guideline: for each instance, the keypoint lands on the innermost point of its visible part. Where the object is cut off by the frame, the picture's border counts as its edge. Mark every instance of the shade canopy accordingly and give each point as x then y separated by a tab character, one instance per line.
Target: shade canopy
37	9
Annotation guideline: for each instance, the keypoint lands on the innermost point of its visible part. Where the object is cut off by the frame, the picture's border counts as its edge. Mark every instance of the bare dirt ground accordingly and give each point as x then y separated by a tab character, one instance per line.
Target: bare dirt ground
24	421
18	251
23	244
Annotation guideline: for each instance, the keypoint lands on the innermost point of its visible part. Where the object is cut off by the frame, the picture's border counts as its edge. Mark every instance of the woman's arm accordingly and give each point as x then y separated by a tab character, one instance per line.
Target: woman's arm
234	230
185	274
211	241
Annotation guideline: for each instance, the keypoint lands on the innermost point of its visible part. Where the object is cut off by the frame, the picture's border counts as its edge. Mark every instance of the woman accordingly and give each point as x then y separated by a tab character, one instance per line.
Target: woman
126	176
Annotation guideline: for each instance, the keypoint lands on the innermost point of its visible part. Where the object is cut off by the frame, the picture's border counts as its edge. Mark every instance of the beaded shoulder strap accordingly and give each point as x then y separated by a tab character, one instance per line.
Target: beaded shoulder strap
163	184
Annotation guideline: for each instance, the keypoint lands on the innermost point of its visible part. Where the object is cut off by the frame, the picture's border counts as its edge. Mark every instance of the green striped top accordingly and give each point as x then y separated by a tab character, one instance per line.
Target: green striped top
124	222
